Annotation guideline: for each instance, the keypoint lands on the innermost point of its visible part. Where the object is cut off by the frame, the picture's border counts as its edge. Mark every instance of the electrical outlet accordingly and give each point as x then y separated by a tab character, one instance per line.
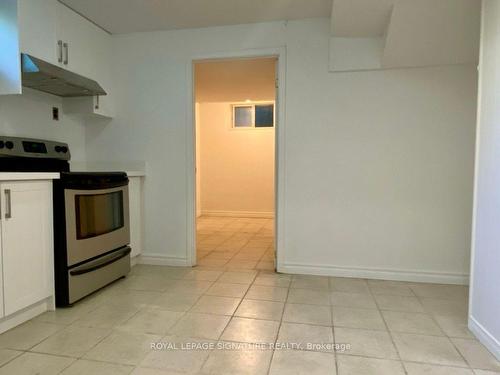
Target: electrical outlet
55	113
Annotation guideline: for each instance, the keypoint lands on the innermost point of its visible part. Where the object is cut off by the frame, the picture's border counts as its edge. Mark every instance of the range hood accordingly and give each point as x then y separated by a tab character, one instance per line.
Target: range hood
43	76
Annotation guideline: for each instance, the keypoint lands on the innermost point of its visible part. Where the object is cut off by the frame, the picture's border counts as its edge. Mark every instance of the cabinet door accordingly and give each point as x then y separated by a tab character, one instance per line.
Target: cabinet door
75	32
37	29
27	243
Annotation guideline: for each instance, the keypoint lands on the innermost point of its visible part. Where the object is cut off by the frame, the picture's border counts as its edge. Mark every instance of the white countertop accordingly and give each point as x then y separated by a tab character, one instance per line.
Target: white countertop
135	173
19	176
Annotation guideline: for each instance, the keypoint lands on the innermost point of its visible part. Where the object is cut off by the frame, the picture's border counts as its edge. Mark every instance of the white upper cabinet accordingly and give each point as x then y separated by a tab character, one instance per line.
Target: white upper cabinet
37	22
54	33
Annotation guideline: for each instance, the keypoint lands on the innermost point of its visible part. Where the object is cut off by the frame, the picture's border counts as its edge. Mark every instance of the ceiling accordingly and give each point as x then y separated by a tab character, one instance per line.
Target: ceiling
235	80
128	16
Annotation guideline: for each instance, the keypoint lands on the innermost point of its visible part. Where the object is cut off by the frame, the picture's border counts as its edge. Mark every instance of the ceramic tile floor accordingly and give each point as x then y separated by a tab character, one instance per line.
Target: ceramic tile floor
391	328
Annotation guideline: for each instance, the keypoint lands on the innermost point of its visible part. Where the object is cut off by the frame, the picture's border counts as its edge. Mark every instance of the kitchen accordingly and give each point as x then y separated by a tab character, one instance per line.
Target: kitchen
117	114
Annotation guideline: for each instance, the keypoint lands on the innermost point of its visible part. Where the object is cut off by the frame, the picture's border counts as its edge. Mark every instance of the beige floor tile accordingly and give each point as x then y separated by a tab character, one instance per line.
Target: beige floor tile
189	287
153	283
235	362
309	296
216	305
73	341
266	265
394	288
454	326
350	365
367	343
308	337
309	282
251	330
27	335
358	300
276	280
267	293
452	292
205	326
486	372
107	316
267	310
85	367
427	349
153	371
439	306
123	347
65	316
227	290
238	277
7	355
423	369
357	318
151	320
307	314
205	275
411	323
177	359
36	364
476	354
176	301
128	299
398	303
212	262
241	264
348	285
298	362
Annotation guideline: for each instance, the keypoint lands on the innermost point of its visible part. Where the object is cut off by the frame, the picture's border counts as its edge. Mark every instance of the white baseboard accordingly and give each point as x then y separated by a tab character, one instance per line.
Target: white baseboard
162	260
485	337
374	273
251	214
24	315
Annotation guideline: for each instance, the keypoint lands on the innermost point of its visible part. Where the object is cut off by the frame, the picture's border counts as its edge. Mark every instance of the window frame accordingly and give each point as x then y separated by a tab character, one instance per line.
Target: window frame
252	104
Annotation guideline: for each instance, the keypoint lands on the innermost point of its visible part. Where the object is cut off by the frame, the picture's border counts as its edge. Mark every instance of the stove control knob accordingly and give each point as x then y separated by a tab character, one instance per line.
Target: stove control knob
57	148
9	145
2	144
64	149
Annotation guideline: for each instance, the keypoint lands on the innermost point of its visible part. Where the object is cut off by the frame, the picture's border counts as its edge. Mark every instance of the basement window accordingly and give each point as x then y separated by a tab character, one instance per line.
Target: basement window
258	115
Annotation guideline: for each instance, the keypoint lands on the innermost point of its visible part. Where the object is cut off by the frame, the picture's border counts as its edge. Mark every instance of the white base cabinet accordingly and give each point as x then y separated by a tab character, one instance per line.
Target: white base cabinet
26	244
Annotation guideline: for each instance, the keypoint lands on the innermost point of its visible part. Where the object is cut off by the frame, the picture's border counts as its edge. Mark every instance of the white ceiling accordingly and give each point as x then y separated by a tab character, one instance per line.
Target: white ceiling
127	16
235	80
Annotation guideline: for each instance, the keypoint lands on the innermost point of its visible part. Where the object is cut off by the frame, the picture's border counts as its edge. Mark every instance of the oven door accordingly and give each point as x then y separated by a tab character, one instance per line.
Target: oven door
97	222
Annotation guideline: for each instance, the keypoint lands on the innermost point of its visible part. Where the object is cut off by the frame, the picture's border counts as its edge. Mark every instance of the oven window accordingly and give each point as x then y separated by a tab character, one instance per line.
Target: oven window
98	214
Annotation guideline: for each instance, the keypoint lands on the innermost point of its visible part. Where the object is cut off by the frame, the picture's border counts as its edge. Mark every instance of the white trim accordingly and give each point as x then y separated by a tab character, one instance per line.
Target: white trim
280	54
375	273
161	260
261	214
26	314
485	337
476	163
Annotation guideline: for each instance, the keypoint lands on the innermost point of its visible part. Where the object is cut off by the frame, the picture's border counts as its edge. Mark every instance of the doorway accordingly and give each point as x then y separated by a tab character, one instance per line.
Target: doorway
235	116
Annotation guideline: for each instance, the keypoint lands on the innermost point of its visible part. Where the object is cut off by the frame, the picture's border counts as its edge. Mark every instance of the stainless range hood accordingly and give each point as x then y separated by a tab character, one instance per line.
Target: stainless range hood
43	76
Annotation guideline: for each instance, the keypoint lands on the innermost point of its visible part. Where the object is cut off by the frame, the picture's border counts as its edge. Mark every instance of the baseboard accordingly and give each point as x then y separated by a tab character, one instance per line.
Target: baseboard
251	214
485	337
24	315
161	260
374	273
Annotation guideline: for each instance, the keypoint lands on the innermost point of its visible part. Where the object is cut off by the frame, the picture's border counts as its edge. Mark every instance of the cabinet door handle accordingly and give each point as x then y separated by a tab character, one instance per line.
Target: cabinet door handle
66	53
59	51
8	205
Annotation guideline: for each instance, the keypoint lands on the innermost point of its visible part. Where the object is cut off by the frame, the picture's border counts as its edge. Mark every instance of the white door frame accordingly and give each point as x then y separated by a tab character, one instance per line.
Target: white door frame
279	174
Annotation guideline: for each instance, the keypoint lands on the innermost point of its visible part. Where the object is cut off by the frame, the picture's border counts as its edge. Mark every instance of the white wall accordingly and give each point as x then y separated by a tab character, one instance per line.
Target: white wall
30	115
484	314
378	165
237	165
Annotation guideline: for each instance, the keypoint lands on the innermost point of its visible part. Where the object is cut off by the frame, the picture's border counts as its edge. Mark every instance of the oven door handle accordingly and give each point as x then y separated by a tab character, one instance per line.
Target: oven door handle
107	262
